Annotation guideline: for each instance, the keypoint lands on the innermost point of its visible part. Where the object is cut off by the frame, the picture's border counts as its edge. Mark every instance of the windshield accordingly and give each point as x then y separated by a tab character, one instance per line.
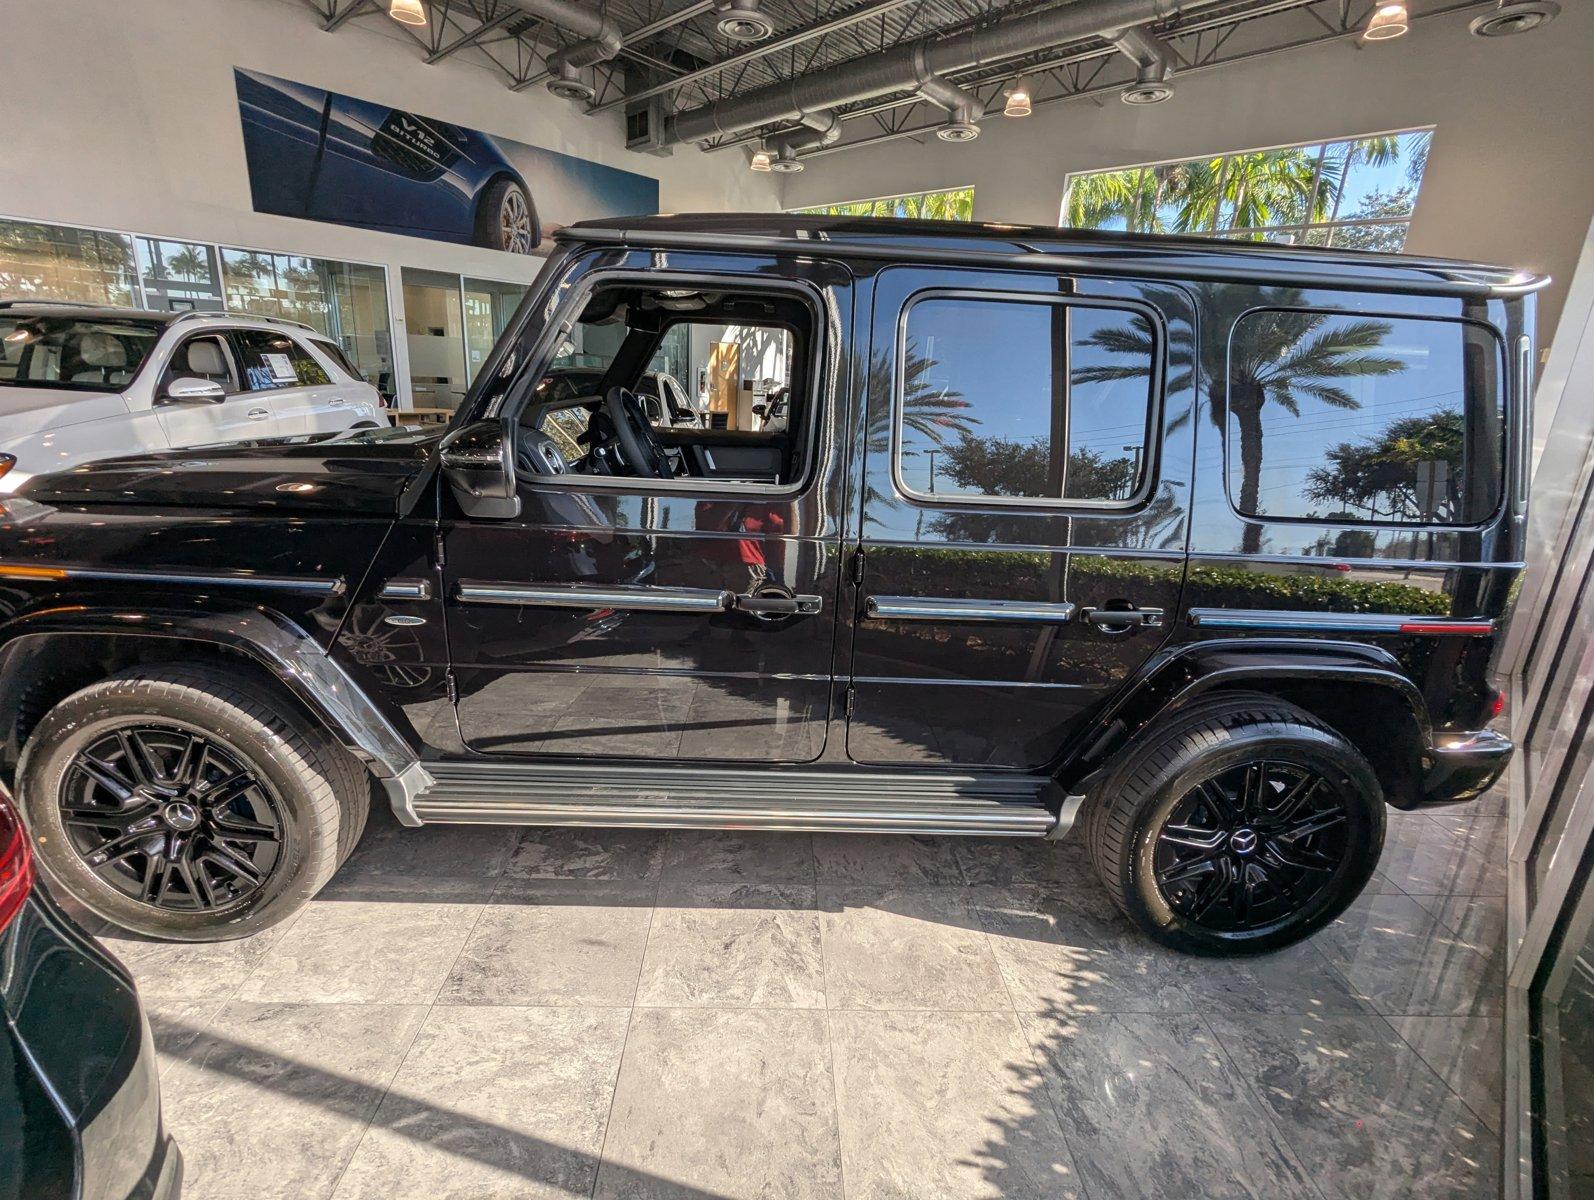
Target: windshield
87	354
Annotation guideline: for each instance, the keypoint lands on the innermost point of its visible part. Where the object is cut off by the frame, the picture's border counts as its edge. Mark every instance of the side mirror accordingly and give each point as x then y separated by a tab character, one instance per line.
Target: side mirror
479	462
188	390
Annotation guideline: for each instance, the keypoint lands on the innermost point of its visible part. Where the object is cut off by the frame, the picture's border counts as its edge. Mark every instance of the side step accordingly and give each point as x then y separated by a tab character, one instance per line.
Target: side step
671	797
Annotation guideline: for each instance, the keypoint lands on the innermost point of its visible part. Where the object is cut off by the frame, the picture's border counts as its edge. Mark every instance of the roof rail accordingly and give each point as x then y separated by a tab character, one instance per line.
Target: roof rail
52	303
242	316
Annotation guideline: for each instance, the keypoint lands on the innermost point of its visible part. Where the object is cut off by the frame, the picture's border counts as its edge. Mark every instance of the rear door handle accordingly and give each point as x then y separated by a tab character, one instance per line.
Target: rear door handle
334	399
259	414
1123	618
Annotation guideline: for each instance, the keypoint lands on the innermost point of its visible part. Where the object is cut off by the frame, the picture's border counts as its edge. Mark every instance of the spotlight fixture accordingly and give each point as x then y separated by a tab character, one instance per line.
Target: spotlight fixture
407	12
1388	21
1515	16
761	161
1020	101
743	21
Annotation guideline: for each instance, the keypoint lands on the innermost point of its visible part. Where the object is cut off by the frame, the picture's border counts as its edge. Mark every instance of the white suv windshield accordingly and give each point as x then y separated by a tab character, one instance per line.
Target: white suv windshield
87	354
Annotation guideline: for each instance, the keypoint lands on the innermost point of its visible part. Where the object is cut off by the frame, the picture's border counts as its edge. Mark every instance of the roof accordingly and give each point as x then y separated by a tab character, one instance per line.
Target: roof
93	312
995	243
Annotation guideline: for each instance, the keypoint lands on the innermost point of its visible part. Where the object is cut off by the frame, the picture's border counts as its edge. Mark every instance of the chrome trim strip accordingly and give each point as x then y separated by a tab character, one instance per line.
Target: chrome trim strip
286	583
1328	622
405	589
912	608
699	600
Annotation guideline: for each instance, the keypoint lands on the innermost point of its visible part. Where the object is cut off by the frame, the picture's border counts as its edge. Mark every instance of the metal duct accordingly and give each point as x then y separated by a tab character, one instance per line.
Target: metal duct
601	37
965	109
819	129
895	70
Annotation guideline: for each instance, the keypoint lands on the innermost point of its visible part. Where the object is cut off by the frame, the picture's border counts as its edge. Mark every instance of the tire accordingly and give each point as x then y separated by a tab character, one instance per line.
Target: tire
1185	858
490	218
296	802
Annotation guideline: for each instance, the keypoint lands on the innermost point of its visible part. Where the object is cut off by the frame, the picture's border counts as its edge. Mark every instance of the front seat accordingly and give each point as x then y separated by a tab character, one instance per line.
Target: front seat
104	359
203	359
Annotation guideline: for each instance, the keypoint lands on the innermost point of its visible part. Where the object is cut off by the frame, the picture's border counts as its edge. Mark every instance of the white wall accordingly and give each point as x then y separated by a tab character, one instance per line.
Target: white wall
122	114
1510	179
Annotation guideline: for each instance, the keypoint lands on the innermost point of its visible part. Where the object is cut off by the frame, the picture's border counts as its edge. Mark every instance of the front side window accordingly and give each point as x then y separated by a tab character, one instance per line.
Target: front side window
1028	401
73	353
1351	418
274	360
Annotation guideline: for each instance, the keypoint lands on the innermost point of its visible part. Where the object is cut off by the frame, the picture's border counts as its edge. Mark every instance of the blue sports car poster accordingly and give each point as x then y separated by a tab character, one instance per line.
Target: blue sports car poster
324	156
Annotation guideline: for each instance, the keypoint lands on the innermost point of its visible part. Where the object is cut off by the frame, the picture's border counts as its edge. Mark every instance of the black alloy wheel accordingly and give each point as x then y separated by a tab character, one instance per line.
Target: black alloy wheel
1251	845
171	817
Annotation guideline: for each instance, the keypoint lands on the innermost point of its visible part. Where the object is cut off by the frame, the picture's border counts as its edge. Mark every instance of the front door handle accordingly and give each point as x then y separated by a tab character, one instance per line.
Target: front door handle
259	414
1123	618
773	604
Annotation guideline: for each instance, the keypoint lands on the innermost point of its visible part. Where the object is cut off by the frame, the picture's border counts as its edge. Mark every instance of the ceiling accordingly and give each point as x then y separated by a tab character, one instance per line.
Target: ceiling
673	53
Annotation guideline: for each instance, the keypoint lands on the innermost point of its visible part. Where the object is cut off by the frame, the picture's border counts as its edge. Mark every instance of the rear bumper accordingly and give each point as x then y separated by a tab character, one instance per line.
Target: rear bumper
1465	765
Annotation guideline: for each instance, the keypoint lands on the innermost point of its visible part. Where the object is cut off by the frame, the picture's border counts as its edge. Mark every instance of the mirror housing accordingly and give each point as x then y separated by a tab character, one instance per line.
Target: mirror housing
478	461
188	390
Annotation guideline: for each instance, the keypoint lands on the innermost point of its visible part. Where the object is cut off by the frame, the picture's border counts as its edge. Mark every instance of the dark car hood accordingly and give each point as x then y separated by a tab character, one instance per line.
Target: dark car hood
355	473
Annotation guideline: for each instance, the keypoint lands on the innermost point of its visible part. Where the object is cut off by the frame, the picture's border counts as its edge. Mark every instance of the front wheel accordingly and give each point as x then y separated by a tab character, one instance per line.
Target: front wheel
173	803
1242	825
506	219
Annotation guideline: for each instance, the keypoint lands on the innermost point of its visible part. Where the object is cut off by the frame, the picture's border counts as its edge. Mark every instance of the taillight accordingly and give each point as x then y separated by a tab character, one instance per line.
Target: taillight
1497	706
16	862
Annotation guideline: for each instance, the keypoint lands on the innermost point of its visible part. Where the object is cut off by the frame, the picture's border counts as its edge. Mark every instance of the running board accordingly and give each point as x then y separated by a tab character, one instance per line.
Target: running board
669	797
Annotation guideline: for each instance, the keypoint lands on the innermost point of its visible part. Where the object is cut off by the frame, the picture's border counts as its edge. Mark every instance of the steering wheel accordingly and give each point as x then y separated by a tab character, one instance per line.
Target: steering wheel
639	446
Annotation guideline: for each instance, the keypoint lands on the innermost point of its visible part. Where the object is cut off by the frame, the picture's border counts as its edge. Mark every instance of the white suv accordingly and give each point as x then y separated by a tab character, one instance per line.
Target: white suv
80	383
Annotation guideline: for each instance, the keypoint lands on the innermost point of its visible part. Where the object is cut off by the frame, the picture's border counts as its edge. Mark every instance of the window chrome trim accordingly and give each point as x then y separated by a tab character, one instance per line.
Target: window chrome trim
916	608
1151	456
635	599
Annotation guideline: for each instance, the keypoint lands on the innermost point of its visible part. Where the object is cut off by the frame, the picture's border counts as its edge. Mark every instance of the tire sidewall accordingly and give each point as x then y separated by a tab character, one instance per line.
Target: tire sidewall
308	847
1298	745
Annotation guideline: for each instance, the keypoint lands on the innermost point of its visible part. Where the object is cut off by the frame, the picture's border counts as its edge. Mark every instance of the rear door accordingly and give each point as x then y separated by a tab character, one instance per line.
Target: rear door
1024	510
289	391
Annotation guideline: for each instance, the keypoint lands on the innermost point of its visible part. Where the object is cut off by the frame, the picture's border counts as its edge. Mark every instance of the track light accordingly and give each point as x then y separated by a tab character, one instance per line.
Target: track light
761	160
1020	102
1515	16
407	12
1388	21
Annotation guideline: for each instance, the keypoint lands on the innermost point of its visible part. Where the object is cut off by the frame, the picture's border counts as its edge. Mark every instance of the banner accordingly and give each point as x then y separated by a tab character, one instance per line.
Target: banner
324	156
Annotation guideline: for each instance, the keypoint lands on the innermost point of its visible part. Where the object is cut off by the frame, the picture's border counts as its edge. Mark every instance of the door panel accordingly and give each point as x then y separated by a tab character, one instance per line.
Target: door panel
595	622
994	620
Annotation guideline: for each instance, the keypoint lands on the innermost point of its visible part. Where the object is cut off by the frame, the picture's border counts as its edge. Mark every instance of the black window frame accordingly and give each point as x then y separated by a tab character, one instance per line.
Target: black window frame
1509	434
1156	385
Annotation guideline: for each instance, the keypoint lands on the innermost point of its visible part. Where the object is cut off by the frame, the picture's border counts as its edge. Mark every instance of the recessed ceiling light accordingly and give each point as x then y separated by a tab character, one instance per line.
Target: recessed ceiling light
958	131
407	12
1388	21
1515	16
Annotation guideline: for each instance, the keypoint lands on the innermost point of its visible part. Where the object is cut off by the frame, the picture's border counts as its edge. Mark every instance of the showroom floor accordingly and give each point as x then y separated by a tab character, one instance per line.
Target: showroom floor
493	1012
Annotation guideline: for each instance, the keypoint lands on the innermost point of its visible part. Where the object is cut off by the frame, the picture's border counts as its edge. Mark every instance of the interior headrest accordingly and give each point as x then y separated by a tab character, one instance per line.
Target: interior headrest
101	350
204	358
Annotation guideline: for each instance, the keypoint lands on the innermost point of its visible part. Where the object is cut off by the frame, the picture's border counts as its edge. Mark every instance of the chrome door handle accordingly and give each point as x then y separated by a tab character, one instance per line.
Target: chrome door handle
334	399
1123	618
259	414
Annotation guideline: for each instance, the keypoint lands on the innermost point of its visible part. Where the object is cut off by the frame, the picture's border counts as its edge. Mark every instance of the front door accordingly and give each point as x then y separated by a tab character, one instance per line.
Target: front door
1024	511
622	618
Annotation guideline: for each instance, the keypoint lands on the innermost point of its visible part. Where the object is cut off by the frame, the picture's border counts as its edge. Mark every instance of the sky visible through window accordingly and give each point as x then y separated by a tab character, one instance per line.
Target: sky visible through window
1354	193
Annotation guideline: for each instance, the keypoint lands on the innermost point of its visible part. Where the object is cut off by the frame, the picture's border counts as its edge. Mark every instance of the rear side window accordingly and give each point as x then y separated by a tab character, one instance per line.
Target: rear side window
1353	418
335	352
274	360
1018	401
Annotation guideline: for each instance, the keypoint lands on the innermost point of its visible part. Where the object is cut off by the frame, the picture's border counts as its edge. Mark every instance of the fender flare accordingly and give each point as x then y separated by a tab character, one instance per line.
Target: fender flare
290	654
1176	675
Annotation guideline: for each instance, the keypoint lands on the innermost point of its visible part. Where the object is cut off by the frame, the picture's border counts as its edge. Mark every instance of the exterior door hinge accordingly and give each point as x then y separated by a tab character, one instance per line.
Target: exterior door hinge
437	547
857	566
453	689
848	699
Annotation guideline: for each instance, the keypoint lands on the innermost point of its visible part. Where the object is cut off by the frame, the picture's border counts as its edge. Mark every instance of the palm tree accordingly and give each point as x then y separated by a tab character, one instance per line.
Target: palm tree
1277	354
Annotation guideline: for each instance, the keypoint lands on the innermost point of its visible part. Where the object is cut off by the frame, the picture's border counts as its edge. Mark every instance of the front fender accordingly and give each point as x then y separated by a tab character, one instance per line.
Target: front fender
266	637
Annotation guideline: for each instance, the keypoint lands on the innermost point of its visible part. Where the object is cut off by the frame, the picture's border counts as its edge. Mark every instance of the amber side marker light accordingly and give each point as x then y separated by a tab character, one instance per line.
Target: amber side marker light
18	571
1465	628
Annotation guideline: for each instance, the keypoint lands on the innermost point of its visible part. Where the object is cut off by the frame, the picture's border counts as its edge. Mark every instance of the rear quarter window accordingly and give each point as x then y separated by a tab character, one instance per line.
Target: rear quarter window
274	360
1356	418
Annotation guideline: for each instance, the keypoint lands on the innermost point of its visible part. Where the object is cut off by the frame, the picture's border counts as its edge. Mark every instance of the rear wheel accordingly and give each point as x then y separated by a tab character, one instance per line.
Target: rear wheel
505	218
1242	825
173	803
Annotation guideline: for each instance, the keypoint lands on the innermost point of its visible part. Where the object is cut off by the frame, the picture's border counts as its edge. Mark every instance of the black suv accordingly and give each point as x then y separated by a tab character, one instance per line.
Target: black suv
1203	547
